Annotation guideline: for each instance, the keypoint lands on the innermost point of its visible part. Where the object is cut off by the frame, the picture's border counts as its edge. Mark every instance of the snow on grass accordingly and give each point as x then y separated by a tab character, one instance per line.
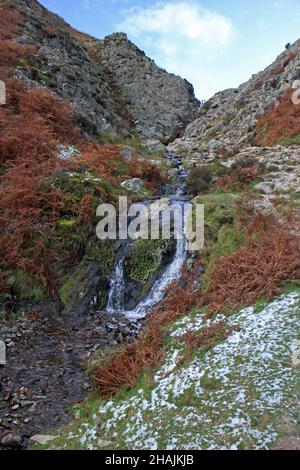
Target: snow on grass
231	397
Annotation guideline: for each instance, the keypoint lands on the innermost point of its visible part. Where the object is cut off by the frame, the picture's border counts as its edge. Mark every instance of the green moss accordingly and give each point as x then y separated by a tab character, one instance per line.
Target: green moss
102	251
240	104
292	286
291	140
220	209
26	287
218	169
110	137
223	232
77	184
66	223
75	285
24	63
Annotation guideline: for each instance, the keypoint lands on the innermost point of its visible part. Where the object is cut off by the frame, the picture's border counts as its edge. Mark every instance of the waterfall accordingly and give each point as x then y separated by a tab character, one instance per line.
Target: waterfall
117	288
116	300
157	292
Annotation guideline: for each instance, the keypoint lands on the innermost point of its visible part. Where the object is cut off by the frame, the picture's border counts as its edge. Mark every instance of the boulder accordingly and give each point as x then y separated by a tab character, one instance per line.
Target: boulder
42	439
12	440
134	184
84	291
154	145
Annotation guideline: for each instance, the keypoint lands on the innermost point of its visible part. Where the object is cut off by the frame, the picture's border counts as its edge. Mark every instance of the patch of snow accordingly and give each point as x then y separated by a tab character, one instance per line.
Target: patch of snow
218	400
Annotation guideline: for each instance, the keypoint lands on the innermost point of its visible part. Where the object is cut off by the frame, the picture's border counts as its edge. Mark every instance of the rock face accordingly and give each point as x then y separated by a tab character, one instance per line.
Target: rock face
63	66
161	104
110	82
227	121
84	291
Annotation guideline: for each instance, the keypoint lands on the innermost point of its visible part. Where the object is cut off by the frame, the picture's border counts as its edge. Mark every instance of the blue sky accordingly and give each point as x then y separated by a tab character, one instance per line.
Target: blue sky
215	44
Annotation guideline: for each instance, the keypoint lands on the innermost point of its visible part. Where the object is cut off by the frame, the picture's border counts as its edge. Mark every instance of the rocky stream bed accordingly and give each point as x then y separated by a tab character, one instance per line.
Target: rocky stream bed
47	357
44	374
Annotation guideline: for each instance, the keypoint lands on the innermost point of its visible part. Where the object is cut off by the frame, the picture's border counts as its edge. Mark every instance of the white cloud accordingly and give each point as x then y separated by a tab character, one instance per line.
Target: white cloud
179	20
182	37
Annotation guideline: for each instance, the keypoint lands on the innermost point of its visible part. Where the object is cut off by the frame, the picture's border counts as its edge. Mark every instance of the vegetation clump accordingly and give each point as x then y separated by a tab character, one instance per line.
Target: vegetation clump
280	123
200	179
146	258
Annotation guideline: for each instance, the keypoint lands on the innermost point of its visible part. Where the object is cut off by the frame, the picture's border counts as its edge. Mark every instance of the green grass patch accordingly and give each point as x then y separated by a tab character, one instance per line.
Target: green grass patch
291	140
26	287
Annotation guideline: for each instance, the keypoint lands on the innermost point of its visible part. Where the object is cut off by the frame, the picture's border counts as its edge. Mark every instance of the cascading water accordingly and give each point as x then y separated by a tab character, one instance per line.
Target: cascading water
157	292
116	300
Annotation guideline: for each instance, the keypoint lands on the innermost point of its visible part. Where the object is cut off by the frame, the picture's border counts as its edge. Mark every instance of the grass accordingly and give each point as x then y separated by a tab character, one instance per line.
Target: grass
223	234
26	287
185	407
291	140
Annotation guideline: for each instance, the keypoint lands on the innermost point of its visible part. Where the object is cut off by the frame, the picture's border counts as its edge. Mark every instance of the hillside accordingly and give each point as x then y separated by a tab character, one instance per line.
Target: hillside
230	117
144	344
111	83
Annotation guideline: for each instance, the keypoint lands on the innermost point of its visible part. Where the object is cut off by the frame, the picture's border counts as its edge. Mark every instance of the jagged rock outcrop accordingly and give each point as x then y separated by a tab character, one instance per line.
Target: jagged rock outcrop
111	83
63	66
161	104
227	121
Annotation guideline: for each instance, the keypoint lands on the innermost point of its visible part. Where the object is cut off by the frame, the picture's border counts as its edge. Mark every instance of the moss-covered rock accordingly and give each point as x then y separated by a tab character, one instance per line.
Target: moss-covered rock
146	257
76	285
102	251
143	263
85	288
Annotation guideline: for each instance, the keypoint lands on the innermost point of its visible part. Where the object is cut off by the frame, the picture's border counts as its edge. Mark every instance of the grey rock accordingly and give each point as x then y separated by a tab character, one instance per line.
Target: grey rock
2	353
154	145
42	439
104	443
161	104
134	184
230	116
12	440
265	187
128	152
89	294
111	83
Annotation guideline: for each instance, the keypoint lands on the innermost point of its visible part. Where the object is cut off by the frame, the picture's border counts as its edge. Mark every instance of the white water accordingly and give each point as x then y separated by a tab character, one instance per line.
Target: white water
157	292
116	300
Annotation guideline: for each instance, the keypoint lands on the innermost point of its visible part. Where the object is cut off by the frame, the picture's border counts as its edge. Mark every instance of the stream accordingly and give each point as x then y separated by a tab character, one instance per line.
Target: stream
174	194
43	376
116	300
